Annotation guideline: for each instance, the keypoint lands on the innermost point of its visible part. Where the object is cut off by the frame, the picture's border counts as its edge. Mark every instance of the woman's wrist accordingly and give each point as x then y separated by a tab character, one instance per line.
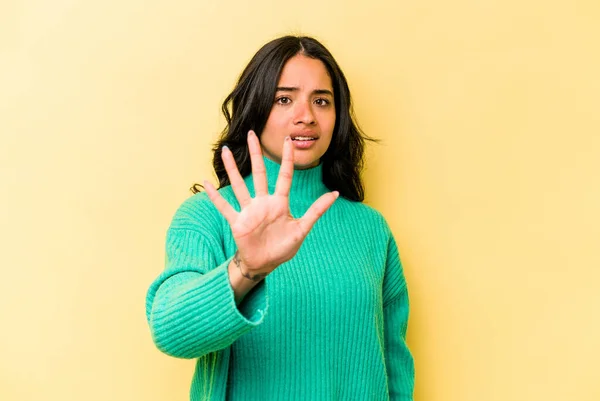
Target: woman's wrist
257	278
240	284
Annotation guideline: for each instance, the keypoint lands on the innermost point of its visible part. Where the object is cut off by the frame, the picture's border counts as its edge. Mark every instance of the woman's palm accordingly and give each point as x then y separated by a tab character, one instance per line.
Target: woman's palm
264	231
267	224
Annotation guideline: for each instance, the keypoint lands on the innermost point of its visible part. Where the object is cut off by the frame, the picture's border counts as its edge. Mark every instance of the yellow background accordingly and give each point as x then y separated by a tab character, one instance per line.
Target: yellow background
488	174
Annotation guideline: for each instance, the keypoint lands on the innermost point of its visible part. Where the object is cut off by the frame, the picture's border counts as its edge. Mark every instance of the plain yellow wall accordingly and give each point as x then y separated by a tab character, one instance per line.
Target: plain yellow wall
488	174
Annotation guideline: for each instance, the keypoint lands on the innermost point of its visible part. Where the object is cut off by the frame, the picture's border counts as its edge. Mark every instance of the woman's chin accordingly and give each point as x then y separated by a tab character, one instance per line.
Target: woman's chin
303	163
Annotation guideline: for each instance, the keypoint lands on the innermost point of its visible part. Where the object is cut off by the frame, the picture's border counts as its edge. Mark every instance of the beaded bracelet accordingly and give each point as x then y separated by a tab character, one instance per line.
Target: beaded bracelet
256	278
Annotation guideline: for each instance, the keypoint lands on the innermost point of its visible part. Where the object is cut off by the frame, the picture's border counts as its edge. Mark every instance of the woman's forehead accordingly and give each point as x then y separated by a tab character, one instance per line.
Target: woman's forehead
303	72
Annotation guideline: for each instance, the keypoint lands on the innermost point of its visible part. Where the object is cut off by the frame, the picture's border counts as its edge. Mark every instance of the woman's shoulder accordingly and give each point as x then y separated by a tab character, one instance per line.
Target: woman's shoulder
359	207
198	211
364	213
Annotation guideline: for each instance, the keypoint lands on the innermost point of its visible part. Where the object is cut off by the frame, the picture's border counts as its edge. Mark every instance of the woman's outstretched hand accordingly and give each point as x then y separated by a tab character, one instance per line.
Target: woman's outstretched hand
265	232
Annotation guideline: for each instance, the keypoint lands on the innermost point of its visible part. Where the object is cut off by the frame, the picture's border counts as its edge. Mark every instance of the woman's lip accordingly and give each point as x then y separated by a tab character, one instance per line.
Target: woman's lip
304	144
304	134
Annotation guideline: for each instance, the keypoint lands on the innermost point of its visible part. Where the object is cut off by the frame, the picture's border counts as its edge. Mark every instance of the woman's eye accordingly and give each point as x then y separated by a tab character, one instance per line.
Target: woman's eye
322	102
283	100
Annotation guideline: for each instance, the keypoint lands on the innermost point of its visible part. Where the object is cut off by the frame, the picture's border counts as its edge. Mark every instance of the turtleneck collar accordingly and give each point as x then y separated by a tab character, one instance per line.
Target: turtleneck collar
306	184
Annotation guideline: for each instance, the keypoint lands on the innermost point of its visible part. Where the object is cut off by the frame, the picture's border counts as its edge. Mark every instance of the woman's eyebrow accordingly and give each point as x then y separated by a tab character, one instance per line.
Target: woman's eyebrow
295	89
323	92
286	88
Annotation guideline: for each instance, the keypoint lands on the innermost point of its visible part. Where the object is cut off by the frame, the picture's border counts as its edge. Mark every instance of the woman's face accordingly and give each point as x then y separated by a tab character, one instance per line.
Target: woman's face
304	109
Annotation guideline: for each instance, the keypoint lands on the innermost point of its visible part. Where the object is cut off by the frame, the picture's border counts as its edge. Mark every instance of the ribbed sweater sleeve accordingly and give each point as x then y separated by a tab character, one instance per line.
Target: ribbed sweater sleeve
191	306
399	361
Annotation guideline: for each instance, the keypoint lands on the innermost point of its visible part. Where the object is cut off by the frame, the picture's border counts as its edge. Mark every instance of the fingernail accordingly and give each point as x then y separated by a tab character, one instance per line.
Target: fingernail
224	147
336	193
251	133
287	138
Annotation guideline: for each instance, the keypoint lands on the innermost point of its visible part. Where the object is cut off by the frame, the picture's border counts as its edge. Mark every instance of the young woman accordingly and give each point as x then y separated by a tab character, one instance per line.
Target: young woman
282	283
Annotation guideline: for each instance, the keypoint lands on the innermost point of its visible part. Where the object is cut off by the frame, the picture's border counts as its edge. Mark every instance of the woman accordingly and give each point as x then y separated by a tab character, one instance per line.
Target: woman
282	283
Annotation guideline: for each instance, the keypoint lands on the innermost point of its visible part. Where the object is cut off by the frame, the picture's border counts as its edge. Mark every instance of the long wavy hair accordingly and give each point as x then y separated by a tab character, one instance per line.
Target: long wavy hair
251	102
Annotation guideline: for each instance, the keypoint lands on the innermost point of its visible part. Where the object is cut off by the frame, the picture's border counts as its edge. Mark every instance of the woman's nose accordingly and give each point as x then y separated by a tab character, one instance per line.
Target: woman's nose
304	113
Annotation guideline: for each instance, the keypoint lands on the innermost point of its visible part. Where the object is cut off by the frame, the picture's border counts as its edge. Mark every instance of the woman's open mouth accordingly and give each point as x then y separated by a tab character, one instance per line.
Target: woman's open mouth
304	142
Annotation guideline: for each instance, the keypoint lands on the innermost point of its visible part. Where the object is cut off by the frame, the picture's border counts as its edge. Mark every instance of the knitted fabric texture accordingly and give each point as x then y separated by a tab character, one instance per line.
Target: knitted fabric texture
330	324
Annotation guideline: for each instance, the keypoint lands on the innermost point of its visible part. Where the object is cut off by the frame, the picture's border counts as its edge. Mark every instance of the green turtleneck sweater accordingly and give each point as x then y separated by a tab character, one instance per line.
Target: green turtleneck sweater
330	324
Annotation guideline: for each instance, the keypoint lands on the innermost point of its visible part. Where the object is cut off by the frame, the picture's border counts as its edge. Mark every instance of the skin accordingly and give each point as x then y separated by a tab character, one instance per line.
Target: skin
264	231
303	103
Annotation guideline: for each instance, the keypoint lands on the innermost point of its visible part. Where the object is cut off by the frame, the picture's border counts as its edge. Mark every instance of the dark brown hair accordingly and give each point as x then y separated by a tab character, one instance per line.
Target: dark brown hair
251	102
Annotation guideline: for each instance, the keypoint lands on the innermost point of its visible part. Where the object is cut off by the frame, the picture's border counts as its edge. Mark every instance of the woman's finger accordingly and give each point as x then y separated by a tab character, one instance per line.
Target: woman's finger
220	203
316	210
237	182
258	165
286	171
